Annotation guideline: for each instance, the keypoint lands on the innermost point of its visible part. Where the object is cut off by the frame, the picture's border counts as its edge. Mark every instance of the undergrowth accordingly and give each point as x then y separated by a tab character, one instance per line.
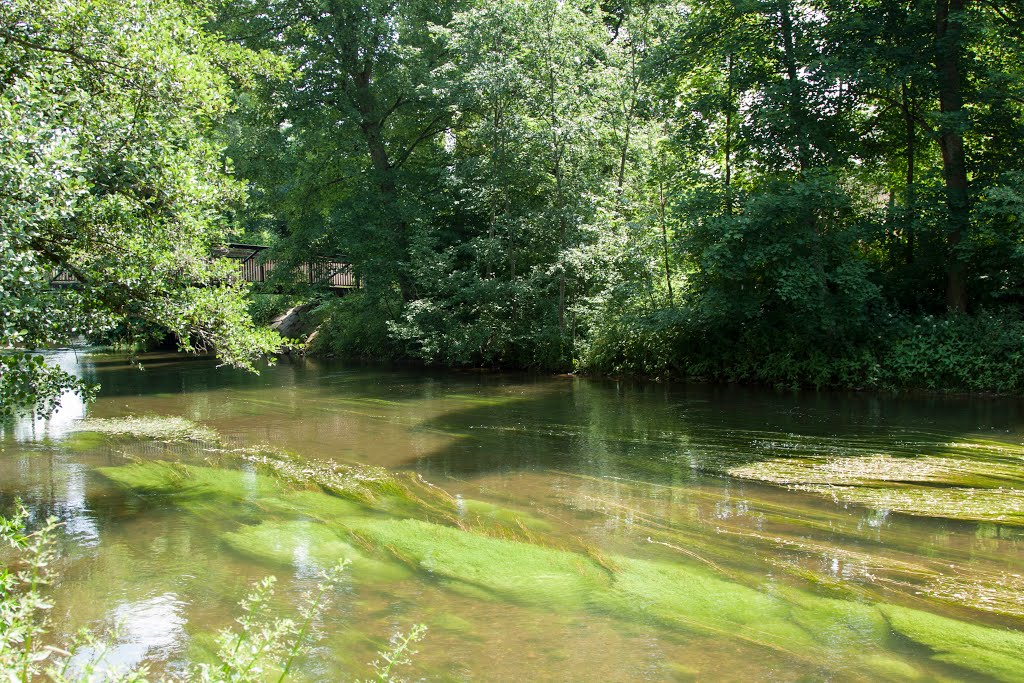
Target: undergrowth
978	352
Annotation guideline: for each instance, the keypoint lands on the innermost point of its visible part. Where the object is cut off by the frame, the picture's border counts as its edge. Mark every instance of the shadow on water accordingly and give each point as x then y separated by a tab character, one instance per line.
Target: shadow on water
669	434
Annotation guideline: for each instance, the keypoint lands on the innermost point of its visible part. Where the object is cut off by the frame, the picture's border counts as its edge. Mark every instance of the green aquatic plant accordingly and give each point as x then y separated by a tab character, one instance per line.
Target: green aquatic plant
81	442
160	428
1001	593
787	621
490	567
980	489
879	468
980	505
311	524
279	480
302	543
683	597
488	514
987	651
275	480
785	535
191	483
363	483
285	543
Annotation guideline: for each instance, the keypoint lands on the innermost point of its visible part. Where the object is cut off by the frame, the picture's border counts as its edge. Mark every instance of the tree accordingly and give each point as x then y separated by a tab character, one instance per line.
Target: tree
504	278
109	172
356	125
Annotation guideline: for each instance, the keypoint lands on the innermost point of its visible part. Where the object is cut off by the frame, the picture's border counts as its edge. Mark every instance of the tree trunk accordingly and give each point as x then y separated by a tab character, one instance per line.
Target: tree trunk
954	164
728	135
910	198
664	238
630	110
556	169
373	134
796	104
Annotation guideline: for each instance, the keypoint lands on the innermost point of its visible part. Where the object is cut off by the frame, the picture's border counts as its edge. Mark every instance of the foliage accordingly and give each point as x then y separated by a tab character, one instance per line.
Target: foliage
110	173
265	645
28	384
398	654
751	191
355	327
263	308
979	352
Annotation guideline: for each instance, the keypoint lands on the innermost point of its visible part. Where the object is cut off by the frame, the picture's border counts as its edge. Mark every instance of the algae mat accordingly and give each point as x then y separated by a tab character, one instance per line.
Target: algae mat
972	489
863	639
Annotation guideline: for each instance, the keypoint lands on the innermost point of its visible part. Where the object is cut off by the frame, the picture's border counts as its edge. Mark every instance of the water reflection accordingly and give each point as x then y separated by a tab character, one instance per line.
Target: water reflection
73	510
72	407
153	628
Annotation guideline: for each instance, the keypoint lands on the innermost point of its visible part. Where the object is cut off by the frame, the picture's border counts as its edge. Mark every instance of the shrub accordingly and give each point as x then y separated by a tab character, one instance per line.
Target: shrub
355	327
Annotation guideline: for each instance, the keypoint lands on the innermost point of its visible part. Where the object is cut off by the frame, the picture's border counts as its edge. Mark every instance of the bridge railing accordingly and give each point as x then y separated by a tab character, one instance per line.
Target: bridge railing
333	273
62	276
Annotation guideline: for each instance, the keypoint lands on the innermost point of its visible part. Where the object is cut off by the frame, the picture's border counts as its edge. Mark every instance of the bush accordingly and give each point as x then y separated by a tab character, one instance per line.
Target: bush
979	352
265	307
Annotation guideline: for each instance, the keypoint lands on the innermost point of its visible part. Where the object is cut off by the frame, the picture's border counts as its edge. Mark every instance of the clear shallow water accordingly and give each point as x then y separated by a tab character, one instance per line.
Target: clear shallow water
623	470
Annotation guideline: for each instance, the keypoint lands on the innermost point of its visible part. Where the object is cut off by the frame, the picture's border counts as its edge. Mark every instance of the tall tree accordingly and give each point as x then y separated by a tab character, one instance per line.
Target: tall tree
361	118
503	280
949	15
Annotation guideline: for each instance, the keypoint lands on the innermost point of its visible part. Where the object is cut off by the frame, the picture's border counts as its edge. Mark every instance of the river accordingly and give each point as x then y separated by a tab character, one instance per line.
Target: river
685	568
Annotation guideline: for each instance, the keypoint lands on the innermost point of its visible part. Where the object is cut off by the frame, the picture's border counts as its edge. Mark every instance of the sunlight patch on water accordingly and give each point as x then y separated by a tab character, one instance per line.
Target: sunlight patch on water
153	628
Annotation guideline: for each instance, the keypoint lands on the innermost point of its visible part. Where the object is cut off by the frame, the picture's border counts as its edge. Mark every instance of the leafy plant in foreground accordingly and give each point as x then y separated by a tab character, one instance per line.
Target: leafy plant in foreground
263	648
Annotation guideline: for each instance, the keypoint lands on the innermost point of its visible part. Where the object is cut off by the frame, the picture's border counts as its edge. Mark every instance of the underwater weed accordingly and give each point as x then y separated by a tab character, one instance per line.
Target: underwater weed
155	427
988	651
967	489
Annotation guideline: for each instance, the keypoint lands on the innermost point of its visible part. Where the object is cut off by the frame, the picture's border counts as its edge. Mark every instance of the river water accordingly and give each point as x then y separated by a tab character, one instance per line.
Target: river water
710	576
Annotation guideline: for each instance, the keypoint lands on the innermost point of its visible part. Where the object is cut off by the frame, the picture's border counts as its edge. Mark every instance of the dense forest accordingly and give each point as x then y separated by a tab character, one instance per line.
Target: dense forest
793	192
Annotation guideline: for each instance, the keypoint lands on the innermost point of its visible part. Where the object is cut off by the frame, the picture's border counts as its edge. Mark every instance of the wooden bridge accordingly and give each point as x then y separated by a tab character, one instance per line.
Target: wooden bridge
332	273
327	272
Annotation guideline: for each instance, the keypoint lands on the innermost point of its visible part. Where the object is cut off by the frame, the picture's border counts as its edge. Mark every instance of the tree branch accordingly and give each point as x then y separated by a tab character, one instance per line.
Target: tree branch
67	51
425	134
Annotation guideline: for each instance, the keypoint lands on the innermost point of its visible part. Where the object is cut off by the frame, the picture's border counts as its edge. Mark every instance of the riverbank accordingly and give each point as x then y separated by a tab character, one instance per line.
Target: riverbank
980	355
